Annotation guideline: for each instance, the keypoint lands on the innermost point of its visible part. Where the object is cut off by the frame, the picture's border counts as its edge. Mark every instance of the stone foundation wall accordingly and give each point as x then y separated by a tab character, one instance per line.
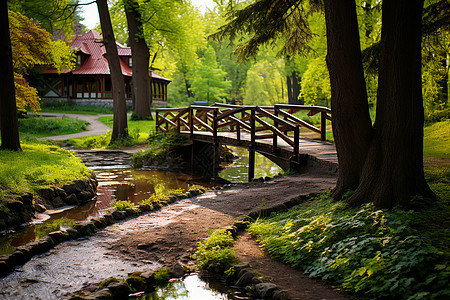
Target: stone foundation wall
21	210
105	103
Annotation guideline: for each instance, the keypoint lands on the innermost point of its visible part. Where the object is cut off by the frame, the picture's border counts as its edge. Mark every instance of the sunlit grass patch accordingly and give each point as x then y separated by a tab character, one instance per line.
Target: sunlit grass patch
38	166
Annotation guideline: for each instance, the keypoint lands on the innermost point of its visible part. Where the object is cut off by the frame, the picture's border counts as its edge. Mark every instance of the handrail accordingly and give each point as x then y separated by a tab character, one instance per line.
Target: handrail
235	118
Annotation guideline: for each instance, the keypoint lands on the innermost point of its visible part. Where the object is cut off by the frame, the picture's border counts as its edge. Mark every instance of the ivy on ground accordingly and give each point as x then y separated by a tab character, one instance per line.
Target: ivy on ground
369	252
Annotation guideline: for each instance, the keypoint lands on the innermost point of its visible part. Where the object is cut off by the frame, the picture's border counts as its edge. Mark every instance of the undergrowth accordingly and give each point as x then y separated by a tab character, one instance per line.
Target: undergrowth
370	252
215	253
159	145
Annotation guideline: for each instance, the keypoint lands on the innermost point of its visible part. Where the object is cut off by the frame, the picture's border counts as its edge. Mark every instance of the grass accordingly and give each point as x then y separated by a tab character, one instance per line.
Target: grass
36	127
37	166
437	140
139	132
75	109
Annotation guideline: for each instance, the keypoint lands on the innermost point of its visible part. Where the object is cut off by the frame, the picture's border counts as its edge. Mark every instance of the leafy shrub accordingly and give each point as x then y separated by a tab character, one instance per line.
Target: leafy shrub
121	205
215	253
370	252
159	145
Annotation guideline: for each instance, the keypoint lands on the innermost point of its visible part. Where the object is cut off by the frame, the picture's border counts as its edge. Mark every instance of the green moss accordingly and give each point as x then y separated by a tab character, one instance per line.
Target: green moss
105	282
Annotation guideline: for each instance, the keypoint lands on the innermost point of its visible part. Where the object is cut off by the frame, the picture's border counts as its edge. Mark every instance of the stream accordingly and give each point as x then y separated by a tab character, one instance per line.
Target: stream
71	265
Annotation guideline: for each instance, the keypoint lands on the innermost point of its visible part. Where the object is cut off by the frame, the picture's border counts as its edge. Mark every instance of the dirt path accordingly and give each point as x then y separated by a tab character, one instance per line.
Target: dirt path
167	237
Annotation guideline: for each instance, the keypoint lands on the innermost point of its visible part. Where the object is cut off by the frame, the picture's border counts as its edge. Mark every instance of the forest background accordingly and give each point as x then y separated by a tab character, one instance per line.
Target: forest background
202	69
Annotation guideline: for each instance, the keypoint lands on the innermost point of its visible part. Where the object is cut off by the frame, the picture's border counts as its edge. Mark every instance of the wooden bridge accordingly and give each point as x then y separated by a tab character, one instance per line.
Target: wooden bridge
273	131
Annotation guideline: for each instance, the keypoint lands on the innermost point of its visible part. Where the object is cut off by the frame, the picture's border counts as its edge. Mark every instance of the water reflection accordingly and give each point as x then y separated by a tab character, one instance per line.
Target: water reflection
192	287
120	184
238	170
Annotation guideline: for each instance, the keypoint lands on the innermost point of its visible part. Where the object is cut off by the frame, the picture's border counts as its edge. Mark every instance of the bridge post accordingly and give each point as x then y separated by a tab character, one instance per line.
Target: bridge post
251	152
251	164
191	122
323	126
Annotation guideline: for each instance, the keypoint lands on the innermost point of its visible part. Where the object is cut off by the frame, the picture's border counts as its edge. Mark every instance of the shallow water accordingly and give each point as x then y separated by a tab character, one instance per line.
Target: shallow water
196	287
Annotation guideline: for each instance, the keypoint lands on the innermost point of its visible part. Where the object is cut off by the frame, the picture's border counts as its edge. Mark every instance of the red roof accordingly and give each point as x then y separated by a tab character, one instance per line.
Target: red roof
95	63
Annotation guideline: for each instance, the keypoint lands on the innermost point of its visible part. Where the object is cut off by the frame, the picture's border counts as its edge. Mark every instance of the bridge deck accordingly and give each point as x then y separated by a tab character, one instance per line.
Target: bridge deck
317	150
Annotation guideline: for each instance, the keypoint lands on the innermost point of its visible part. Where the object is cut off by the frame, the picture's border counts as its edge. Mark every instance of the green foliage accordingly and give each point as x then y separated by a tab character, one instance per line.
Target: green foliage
121	205
208	83
43	126
215	253
162	276
316	83
369	252
38	166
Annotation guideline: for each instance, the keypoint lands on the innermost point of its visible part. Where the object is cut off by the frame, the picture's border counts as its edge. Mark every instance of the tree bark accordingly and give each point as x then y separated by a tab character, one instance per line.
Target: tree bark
118	86
141	57
8	110
393	172
350	119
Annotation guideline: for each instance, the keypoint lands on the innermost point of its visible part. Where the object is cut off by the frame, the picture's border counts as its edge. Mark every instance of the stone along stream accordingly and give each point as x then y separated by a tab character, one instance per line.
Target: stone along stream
74	264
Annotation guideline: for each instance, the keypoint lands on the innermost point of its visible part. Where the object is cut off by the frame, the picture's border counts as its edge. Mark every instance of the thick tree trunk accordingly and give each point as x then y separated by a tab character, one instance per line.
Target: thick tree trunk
394	169
118	86
8	111
141	56
350	118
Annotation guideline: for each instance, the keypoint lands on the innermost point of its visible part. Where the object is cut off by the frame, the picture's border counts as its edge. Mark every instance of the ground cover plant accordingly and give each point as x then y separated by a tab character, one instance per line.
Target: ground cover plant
395	253
215	253
373	253
38	166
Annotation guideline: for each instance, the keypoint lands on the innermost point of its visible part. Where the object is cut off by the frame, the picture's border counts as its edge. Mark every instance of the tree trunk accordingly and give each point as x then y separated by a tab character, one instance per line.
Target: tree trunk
8	110
289	89
393	172
141	56
295	88
350	118
118	86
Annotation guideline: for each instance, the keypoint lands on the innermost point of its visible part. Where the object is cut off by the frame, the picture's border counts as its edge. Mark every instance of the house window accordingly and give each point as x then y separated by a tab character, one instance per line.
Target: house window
108	88
130	62
79	60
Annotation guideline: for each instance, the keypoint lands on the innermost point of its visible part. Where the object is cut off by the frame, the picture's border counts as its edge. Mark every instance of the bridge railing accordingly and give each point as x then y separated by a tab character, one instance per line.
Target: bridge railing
261	122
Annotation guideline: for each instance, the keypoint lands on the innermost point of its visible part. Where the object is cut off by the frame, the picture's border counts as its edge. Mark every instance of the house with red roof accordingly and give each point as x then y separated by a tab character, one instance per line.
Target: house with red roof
89	83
